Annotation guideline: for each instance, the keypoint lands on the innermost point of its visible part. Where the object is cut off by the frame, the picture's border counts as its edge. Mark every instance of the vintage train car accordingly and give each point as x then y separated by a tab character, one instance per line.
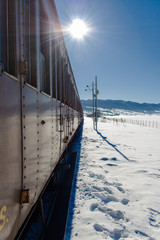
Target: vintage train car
40	108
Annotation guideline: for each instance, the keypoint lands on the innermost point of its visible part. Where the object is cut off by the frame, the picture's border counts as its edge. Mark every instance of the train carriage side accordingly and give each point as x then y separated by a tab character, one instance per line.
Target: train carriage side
40	108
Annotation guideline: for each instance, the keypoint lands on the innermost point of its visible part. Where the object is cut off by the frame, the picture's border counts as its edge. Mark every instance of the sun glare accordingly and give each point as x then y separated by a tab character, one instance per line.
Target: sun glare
78	29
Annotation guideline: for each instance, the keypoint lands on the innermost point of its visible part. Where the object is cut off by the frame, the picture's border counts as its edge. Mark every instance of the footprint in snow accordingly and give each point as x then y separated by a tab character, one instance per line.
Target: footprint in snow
112	165
98	188
114	159
102	189
115	184
109	198
154	219
106	198
99	228
104	159
116	215
98	176
156	175
142	171
125	201
93	206
108	190
120	189
115	234
140	233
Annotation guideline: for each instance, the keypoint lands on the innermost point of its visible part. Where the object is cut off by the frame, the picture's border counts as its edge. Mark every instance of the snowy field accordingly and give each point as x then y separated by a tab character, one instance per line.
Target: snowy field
116	191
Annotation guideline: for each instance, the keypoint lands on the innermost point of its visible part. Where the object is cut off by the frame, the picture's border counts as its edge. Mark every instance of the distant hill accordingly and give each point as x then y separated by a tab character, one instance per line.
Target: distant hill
115	107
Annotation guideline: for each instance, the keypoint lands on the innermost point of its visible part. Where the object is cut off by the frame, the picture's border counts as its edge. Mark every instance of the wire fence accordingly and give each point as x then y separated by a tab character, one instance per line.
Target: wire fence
140	122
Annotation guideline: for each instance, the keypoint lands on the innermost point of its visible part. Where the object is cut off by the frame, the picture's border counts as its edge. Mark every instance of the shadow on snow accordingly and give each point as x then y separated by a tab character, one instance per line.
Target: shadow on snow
76	148
112	145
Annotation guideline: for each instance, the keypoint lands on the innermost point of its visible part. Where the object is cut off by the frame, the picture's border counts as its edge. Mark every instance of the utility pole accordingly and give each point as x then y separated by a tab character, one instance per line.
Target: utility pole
93	102
95	92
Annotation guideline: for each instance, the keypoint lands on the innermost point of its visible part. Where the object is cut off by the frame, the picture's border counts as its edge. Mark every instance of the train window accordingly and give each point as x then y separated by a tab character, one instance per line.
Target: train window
68	85
63	79
54	58
70	91
12	37
27	40
0	32
42	71
44	48
4	58
59	73
31	41
65	82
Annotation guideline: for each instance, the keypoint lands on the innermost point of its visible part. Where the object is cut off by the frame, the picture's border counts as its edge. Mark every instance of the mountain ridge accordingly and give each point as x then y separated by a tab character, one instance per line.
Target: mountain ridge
109	104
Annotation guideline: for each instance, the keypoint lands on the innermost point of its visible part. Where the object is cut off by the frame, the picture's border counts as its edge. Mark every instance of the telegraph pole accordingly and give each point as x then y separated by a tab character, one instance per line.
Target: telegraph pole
95	92
93	102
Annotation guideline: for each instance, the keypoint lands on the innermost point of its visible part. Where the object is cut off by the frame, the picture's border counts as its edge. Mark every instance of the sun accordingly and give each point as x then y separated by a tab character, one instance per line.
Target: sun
78	29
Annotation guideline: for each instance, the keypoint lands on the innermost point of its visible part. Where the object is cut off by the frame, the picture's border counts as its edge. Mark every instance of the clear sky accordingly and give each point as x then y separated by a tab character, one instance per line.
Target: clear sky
122	47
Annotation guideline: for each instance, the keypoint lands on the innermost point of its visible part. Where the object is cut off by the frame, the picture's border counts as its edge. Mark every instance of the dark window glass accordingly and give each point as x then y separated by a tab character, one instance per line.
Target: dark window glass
5	35
54	61
0	31
44	48
59	74
27	40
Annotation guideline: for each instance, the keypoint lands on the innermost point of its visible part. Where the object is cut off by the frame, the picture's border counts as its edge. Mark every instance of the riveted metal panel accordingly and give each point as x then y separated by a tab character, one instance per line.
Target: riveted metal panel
45	138
10	156
30	147
55	136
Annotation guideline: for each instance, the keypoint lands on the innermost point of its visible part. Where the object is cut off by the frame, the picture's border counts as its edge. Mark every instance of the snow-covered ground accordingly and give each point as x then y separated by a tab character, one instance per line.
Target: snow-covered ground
116	191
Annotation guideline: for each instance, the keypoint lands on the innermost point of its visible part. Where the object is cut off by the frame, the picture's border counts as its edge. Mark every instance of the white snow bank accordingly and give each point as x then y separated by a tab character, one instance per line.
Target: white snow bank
118	184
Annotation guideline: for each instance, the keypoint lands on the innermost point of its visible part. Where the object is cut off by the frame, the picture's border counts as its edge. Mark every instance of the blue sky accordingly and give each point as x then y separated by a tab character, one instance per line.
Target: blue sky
122	47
